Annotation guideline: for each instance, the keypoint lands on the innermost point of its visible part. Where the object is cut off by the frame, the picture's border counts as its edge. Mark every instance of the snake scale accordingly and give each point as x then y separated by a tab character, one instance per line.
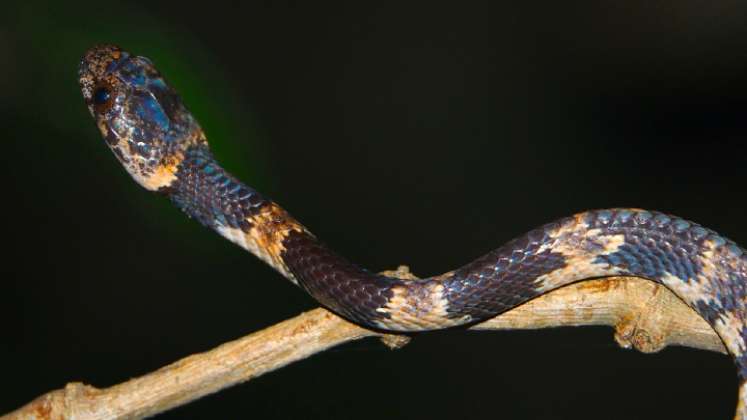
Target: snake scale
161	145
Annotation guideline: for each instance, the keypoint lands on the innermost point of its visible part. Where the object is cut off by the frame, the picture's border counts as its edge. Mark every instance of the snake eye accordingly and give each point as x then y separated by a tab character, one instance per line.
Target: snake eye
102	98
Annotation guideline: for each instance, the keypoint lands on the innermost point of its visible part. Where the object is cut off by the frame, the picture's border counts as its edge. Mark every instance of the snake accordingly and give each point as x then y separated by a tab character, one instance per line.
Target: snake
162	146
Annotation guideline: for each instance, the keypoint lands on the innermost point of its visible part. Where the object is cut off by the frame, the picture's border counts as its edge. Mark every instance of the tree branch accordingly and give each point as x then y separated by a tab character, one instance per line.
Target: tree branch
645	316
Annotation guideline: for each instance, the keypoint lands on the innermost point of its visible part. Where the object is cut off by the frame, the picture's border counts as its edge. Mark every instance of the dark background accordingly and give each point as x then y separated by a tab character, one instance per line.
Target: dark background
423	135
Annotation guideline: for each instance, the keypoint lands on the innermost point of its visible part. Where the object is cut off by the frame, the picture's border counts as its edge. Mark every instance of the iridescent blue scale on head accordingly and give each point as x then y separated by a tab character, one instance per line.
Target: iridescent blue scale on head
149	109
135	71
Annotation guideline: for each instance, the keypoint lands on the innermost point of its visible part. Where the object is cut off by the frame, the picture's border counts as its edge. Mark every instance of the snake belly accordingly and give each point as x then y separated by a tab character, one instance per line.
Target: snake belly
162	146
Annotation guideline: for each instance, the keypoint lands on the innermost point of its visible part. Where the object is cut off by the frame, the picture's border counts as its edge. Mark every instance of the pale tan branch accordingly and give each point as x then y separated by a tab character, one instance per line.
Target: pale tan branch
645	316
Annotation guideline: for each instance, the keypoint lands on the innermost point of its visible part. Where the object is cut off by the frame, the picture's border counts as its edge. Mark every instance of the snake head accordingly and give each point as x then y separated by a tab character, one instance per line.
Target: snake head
140	116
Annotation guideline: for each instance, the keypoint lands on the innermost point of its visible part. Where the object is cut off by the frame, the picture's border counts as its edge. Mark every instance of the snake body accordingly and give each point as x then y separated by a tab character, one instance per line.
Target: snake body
161	145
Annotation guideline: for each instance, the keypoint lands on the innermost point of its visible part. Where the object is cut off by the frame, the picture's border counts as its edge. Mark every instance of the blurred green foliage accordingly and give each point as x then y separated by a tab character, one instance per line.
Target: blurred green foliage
47	111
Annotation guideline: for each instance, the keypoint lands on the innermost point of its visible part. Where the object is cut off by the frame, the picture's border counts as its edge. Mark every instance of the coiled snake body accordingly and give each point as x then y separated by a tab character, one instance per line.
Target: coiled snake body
163	148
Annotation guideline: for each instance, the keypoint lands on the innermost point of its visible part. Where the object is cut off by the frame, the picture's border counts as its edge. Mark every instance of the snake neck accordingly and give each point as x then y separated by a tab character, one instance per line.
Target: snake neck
207	193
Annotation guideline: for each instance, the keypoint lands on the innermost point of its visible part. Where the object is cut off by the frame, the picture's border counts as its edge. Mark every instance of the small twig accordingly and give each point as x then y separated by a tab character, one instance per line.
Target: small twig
646	316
